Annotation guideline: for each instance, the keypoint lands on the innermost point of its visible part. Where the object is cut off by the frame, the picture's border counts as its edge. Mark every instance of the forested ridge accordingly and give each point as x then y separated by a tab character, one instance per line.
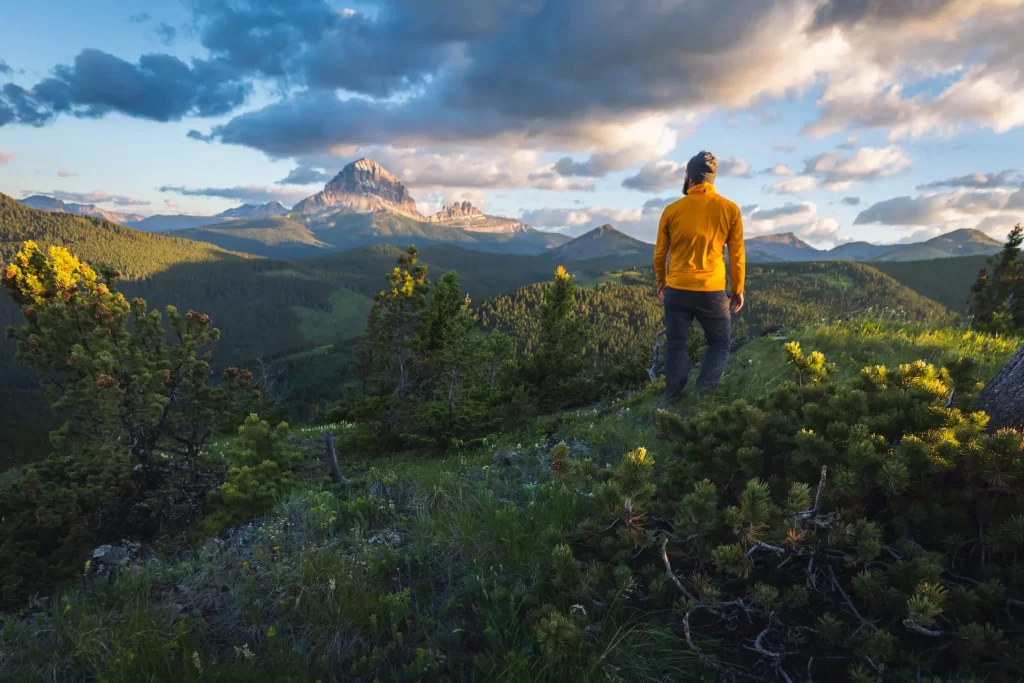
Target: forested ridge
624	315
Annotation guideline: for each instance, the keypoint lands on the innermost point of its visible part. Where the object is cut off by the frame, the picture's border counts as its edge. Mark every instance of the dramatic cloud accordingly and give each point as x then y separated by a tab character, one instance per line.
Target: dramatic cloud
5	157
158	87
65	173
978	181
851	201
454	72
795	185
5	69
255	194
93	198
839	173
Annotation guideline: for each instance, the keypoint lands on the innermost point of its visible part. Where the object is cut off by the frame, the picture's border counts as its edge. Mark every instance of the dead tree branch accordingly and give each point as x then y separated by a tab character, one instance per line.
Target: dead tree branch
332	459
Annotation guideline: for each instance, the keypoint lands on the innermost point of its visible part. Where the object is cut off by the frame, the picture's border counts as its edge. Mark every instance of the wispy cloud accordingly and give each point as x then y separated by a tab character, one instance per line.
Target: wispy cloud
259	194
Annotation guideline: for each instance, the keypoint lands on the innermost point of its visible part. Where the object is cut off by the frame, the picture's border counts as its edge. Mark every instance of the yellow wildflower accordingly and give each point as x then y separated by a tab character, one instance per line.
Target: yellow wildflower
561	273
640	457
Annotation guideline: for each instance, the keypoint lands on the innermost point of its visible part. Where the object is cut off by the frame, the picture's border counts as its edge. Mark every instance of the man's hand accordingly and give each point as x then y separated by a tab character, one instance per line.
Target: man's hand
661	294
737	303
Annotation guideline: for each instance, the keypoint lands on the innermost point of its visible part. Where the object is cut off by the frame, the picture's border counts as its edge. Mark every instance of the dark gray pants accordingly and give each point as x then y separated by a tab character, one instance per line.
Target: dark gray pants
711	310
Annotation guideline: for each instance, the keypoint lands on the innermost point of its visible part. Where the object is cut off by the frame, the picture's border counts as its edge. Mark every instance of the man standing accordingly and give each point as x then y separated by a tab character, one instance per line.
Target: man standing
689	265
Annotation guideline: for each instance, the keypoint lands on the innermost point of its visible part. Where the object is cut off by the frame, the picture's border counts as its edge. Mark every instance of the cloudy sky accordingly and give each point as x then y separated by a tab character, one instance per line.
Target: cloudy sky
886	120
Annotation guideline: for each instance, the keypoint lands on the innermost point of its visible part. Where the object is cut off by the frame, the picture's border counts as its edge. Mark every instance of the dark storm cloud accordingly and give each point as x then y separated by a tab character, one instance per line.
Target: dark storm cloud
512	66
846	12
262	36
18	106
159	87
314	121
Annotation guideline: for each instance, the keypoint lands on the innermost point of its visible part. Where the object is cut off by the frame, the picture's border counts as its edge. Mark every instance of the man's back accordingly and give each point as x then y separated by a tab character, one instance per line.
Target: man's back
689	264
693	235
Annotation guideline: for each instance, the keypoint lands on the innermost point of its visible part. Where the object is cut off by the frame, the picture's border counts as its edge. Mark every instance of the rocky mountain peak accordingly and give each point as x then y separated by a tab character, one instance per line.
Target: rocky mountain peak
451	212
366	176
363	185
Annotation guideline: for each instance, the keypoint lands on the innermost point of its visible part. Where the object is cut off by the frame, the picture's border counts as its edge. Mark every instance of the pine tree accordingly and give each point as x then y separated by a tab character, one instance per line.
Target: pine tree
557	364
997	300
108	364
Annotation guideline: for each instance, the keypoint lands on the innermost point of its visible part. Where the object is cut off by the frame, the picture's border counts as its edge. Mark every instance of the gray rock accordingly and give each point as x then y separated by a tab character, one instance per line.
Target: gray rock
109	556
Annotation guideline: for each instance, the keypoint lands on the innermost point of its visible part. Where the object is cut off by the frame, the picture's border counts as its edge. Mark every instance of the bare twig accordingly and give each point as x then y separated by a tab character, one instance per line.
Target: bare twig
807	514
610	526
693	646
760	648
765	546
917	628
652	371
672	574
849	602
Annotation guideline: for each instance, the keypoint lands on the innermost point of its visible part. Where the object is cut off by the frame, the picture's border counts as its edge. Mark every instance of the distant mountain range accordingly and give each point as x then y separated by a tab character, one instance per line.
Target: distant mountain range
158	222
38	201
787	247
366	204
255	211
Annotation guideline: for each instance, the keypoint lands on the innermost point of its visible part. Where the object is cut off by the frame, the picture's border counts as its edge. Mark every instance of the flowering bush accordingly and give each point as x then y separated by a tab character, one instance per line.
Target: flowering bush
138	410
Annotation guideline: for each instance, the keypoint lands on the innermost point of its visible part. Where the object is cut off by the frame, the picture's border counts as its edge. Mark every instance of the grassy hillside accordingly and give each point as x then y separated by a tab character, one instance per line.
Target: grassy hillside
134	253
275	236
947	281
469	567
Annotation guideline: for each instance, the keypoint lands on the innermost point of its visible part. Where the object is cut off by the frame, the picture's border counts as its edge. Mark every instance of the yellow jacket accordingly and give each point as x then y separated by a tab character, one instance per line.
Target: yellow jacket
693	234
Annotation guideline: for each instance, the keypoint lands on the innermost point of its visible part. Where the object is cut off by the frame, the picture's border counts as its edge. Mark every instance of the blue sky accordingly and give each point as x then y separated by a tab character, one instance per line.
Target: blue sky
838	120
